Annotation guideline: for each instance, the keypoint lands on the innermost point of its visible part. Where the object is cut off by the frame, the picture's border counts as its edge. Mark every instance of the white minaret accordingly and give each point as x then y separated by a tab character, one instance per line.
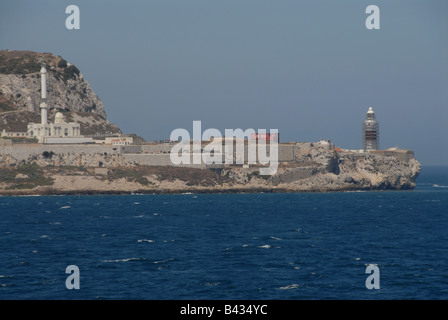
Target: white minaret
43	100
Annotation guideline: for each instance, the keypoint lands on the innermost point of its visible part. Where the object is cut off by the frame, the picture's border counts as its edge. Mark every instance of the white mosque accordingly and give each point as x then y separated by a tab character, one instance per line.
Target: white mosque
59	131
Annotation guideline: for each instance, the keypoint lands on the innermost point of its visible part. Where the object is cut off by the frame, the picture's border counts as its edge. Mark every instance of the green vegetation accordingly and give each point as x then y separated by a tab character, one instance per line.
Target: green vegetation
48	155
67	170
27	176
130	175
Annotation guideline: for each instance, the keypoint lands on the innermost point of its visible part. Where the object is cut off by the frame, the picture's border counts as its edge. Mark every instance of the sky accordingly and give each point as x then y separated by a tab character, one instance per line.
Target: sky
309	68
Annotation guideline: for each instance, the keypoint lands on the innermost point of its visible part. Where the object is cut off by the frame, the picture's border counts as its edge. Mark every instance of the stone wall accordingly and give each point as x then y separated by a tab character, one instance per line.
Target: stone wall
159	155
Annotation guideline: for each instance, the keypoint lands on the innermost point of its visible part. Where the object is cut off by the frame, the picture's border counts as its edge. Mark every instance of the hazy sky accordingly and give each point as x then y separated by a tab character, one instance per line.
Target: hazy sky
309	68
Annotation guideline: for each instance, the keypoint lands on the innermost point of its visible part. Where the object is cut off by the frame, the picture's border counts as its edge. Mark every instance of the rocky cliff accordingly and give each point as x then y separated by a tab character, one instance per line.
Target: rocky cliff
68	92
314	169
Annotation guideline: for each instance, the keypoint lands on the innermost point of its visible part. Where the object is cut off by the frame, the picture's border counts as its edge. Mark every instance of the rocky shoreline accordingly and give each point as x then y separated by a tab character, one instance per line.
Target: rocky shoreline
315	169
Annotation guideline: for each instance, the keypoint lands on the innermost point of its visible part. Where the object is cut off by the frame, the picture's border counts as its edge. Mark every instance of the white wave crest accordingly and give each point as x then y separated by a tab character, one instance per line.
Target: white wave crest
291	286
124	260
163	261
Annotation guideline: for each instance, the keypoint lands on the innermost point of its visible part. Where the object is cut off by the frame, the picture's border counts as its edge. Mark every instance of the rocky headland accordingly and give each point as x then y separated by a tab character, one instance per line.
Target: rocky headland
90	169
314	169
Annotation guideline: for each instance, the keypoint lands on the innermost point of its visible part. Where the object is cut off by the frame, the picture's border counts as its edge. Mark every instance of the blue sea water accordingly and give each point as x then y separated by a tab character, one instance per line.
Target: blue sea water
229	246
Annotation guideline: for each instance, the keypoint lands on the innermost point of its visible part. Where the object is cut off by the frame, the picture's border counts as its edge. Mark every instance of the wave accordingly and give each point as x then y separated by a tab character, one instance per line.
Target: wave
438	186
212	284
163	261
145	240
65	207
291	286
124	260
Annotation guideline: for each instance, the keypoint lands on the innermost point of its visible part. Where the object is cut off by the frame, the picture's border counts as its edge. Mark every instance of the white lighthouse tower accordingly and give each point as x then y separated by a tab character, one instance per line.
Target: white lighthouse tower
43	99
370	131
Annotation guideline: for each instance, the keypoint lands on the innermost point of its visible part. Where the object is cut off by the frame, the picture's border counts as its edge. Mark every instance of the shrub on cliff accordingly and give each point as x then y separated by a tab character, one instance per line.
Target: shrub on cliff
31	176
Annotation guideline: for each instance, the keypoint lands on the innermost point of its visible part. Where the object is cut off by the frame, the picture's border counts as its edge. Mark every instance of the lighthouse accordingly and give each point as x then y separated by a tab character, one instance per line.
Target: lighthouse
370	131
43	99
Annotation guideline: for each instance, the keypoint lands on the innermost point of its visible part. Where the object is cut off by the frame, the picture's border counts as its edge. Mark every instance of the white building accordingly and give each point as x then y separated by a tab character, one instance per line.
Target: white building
119	141
13	134
59	131
59	128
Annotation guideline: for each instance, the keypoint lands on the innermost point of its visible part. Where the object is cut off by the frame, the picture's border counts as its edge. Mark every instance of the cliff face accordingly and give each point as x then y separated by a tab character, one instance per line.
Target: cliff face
329	170
67	92
320	169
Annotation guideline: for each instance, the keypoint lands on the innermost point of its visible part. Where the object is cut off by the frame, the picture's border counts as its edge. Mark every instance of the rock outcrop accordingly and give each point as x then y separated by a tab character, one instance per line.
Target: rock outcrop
314	169
329	170
68	92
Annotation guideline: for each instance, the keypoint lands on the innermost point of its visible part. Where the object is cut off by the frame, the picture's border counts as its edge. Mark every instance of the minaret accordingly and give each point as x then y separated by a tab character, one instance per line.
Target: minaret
43	100
370	131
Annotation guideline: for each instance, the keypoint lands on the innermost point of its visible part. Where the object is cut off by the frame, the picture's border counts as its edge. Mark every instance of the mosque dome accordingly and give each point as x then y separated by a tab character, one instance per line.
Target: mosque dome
59	118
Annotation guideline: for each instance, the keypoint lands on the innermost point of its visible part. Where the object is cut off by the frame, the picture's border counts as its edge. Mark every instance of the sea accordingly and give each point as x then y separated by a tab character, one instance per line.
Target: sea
373	245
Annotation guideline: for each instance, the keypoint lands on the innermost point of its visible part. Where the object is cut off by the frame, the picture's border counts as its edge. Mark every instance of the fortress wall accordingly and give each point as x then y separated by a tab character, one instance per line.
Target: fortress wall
23	152
140	154
129	149
157	148
156	160
286	153
352	154
5	142
401	155
159	154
